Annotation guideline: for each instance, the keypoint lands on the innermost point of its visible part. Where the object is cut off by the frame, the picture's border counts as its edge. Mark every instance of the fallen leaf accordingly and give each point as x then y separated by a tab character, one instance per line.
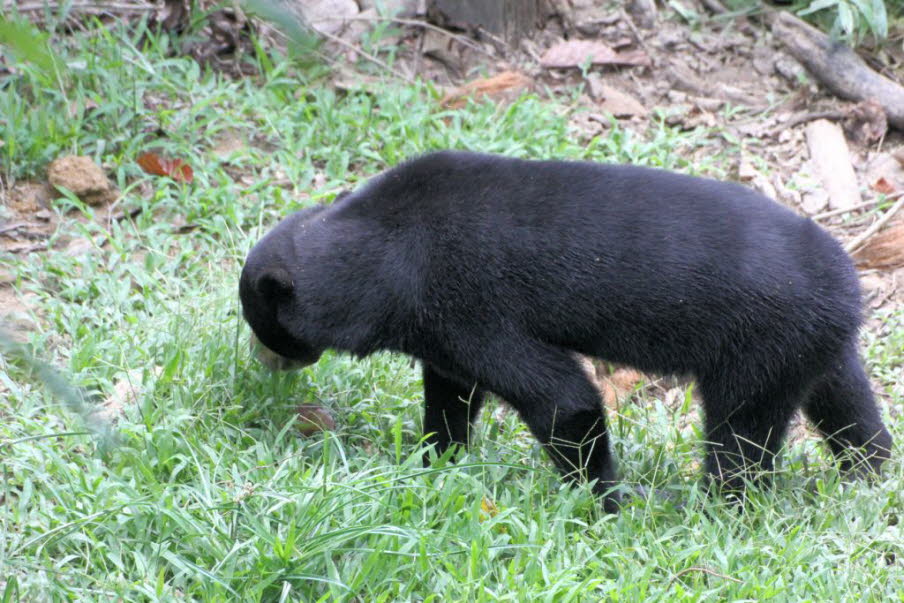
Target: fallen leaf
314	419
504	86
883	186
619	385
625	380
154	164
615	101
884	173
488	509
884	250
574	53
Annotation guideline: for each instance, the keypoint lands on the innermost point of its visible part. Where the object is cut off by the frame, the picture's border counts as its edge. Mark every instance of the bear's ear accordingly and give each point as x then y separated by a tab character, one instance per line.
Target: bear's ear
274	283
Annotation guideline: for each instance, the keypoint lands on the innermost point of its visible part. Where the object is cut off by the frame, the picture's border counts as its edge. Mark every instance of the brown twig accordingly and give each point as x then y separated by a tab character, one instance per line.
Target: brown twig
367	55
30	248
878	224
845	210
633	27
11	227
703	570
802	118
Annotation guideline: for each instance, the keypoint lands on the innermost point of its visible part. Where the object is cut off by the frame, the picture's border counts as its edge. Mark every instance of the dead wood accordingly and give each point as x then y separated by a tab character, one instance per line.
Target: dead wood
830	155
838	67
802	118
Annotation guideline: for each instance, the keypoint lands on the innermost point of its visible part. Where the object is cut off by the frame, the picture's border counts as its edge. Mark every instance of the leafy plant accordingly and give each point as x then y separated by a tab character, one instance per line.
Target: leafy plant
852	19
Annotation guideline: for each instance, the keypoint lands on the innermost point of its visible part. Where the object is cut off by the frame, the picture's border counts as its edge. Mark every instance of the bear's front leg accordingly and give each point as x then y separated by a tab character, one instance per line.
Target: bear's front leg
450	407
553	394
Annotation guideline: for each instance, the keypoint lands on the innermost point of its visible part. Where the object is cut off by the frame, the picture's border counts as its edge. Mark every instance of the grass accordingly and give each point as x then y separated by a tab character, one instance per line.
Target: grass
207	491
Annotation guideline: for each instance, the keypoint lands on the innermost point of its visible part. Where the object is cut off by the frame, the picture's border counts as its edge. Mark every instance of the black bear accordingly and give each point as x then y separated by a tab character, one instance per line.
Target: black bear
497	273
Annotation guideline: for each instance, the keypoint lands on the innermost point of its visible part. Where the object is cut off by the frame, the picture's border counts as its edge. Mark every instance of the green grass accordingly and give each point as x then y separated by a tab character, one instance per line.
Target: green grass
208	492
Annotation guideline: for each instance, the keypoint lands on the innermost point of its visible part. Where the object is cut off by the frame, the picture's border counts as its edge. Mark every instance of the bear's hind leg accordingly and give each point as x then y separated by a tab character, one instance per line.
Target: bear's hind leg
844	410
450	407
744	430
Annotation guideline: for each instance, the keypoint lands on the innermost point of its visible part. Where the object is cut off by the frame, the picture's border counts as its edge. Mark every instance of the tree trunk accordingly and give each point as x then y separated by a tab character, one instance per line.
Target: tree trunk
509	19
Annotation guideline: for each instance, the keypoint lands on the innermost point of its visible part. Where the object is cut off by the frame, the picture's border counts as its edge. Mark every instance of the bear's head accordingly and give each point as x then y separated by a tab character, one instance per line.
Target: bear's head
270	299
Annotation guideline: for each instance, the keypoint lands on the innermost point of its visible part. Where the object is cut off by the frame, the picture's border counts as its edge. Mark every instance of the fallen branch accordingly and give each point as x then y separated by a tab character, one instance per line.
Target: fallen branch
877	225
839	67
12	227
367	56
802	118
831	158
847	210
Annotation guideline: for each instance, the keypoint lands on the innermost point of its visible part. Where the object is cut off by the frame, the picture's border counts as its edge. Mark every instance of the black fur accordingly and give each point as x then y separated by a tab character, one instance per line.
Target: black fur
497	272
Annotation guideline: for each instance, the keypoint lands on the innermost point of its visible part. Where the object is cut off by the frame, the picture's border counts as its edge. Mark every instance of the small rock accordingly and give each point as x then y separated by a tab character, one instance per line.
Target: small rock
83	177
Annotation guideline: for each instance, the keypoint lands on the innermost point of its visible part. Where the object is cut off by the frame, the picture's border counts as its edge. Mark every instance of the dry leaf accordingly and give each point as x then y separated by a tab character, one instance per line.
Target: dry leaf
504	86
883	186
619	385
154	164
884	173
574	53
314	419
625	380
884	249
620	103
488	508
